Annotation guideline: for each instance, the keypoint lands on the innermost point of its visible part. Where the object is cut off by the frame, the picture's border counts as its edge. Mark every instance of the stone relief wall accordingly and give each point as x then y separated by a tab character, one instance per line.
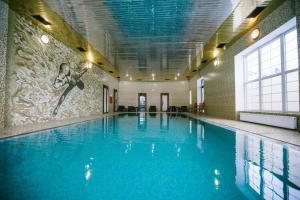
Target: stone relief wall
3	50
220	81
32	76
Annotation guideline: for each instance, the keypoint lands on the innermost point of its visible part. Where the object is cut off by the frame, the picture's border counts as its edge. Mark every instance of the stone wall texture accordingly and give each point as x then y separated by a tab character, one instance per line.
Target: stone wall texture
3	49
220	80
33	69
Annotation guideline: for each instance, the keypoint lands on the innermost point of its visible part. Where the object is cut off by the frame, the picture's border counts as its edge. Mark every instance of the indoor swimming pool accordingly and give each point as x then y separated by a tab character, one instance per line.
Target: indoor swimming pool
147	156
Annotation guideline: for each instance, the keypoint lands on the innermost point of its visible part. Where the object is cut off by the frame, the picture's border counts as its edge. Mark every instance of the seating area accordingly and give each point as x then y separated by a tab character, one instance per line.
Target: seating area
153	108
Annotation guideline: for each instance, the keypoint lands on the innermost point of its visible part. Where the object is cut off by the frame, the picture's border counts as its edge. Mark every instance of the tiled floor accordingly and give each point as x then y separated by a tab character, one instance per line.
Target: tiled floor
284	135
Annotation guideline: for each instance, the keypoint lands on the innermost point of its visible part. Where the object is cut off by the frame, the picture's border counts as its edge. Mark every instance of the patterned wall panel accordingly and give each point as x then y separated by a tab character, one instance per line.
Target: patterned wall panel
38	82
219	81
3	50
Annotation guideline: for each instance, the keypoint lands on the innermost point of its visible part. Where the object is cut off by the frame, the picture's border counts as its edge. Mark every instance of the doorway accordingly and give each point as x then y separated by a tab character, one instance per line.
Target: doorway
142	101
115	99
105	98
164	102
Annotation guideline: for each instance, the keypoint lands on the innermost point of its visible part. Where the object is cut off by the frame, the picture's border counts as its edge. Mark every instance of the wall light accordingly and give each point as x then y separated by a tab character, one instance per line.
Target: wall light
45	39
89	65
216	62
175	77
178	74
127	75
90	57
255	33
216	52
130	78
153	78
153	74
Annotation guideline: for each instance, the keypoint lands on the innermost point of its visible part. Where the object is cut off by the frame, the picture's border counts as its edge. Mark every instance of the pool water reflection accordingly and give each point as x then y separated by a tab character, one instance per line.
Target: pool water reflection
143	156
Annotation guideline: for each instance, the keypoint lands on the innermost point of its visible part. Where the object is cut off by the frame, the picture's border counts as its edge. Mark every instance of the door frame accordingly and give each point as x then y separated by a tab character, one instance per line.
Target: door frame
142	94
105	87
161	94
114	99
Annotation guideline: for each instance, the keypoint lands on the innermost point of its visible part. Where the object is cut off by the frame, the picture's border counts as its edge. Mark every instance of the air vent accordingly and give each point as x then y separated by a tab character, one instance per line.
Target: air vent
256	11
204	61
81	49
100	63
194	70
139	79
41	19
221	45
111	72
118	76
167	79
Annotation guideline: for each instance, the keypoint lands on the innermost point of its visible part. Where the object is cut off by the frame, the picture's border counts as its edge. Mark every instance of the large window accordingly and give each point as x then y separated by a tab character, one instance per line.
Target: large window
271	75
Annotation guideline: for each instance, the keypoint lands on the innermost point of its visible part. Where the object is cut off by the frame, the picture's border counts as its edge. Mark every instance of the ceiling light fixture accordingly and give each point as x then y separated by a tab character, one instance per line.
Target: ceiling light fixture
45	39
255	33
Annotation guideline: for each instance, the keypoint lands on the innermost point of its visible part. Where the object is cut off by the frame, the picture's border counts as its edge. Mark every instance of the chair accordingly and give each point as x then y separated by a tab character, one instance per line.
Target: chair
131	109
121	108
183	109
172	109
152	109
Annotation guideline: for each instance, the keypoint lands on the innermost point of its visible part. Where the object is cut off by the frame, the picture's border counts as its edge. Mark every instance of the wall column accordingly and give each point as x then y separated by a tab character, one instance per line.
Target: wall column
3	58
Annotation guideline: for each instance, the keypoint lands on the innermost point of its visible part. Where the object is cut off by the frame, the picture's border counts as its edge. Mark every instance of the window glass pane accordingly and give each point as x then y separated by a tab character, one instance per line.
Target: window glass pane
252	66
292	91
291	51
272	94
252	96
270	58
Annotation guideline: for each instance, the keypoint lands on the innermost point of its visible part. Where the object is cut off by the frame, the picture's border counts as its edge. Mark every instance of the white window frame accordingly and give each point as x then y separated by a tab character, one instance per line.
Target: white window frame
283	73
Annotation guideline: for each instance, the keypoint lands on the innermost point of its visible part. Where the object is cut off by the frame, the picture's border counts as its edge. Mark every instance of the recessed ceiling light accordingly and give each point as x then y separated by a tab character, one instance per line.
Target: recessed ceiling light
178	74
45	39
153	74
127	75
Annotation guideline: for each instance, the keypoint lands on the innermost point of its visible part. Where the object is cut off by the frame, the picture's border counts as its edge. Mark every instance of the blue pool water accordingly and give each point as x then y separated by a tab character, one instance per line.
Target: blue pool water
147	157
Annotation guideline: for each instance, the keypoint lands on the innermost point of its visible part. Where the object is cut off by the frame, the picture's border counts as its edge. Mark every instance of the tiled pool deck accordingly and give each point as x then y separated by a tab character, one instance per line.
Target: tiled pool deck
284	135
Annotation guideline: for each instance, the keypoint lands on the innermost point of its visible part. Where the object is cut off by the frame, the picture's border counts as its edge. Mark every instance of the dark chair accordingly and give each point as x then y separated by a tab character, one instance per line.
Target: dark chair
121	108
183	109
172	109
152	109
131	109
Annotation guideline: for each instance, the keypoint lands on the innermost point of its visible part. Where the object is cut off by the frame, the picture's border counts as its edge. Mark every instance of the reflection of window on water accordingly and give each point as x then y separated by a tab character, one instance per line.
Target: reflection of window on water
267	169
200	136
142	123
164	121
142	103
